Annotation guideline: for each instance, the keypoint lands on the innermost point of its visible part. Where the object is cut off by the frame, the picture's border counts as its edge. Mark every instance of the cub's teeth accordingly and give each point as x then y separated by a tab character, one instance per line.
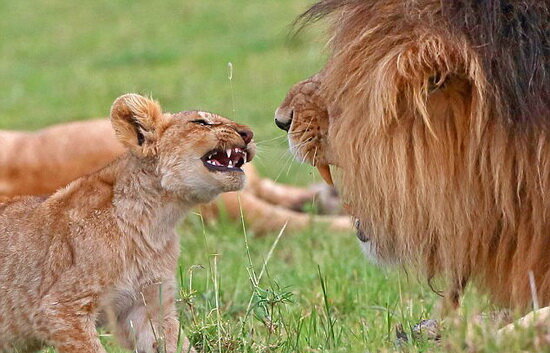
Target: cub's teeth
231	164
228	152
245	157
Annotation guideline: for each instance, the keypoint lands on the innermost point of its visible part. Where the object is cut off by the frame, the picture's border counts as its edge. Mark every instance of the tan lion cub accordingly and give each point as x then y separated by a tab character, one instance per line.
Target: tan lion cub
106	244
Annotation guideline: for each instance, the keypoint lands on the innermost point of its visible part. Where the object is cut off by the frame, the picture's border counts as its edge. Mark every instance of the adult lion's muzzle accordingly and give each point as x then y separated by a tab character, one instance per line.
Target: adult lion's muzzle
304	115
283	118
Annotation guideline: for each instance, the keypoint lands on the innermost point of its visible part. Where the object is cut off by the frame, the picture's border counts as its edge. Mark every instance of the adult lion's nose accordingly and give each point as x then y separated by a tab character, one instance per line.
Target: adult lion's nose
247	135
283	119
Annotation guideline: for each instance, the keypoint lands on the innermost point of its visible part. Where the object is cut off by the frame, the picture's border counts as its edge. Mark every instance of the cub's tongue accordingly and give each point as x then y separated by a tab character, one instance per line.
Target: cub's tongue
230	158
221	158
324	170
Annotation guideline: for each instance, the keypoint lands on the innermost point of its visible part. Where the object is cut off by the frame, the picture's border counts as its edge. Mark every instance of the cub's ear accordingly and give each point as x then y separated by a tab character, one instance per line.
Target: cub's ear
137	122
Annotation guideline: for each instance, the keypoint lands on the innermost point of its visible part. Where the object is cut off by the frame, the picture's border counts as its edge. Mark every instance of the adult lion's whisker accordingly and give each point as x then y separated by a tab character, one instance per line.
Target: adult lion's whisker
270	140
296	132
287	162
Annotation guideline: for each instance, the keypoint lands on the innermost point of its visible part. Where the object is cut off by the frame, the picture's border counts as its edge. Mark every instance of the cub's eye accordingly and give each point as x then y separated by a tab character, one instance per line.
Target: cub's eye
201	122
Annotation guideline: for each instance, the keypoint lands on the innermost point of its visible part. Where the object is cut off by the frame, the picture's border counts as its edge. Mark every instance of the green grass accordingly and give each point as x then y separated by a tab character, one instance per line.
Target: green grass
68	60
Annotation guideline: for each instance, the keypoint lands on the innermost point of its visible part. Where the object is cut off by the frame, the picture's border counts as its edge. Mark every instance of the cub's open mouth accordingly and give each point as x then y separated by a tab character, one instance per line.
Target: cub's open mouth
229	160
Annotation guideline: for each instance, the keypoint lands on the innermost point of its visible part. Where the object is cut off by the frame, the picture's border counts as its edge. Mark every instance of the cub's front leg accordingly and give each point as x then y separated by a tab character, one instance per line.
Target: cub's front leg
68	326
150	324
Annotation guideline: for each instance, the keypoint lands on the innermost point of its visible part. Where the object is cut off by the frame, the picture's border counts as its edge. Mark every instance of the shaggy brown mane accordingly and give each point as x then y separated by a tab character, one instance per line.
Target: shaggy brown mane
510	37
444	107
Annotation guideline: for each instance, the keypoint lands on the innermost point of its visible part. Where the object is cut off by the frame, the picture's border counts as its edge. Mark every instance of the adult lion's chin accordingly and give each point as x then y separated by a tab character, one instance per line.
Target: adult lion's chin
314	151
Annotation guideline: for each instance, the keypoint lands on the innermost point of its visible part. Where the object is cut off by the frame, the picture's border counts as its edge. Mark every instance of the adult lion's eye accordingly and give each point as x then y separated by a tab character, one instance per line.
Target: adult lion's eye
201	122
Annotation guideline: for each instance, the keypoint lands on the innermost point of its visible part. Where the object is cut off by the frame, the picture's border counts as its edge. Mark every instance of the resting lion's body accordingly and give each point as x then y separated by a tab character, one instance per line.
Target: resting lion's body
41	162
38	163
442	136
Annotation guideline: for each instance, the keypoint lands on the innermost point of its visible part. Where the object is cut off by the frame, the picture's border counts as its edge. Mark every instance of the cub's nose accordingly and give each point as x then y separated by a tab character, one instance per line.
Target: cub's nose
283	118
247	135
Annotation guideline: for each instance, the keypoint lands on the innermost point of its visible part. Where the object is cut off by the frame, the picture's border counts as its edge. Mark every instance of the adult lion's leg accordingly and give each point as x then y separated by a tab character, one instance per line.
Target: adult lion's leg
287	196
537	318
263	217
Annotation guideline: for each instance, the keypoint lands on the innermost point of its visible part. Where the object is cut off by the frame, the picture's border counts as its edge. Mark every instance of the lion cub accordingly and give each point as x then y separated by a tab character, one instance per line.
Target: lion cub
106	244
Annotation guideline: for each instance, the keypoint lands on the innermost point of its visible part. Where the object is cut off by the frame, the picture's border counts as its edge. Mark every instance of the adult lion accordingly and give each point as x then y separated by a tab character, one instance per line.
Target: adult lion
439	126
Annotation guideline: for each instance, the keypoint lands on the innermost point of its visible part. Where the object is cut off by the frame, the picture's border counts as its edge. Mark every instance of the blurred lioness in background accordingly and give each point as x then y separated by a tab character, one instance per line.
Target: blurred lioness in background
39	163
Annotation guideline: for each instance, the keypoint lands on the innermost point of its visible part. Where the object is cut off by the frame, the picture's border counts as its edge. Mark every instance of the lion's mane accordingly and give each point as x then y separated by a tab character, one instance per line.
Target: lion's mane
444	110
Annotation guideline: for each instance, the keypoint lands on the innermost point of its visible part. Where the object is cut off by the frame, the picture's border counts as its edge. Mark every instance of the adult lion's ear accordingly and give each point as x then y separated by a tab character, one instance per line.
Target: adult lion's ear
137	121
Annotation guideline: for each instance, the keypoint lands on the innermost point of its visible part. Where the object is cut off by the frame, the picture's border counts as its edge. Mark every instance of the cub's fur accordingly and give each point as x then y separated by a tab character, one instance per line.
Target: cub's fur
106	244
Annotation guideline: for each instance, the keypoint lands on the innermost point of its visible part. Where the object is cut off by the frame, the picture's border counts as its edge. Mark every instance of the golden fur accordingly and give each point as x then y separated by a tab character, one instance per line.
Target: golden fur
439	126
106	242
304	114
41	162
